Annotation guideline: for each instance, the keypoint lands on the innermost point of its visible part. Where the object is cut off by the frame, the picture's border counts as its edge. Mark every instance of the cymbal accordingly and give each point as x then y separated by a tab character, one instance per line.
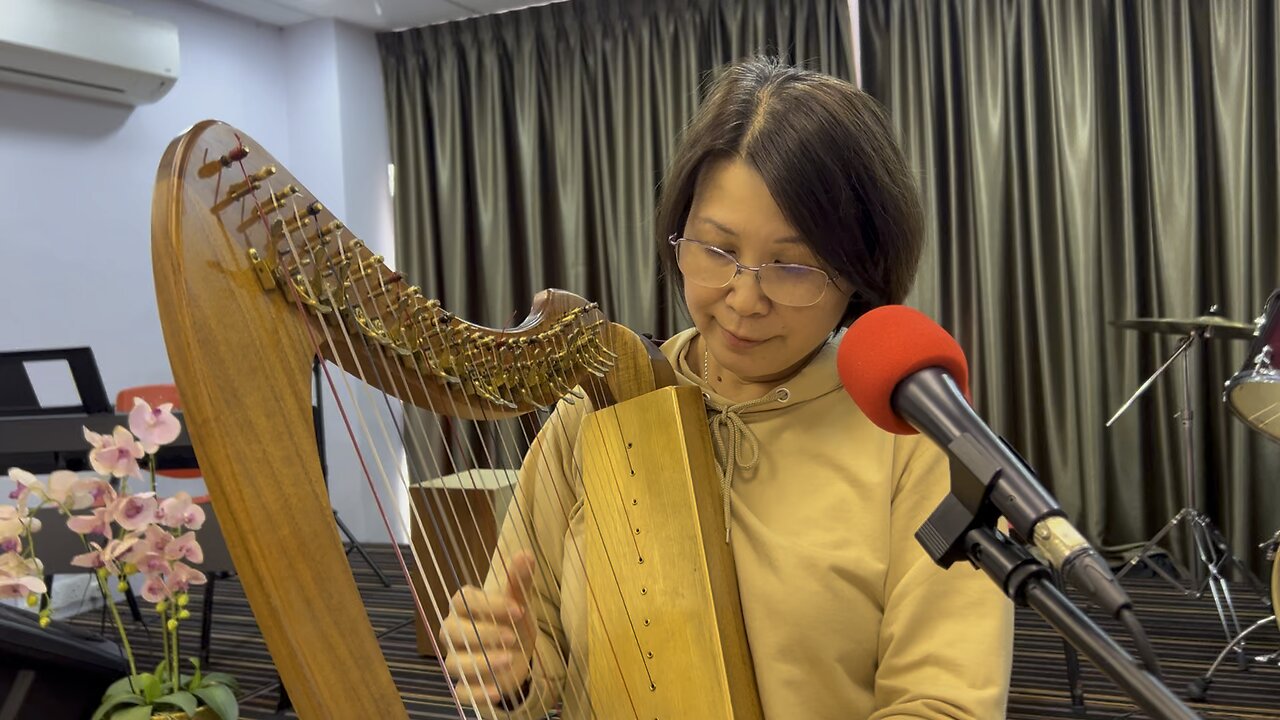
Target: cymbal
1217	325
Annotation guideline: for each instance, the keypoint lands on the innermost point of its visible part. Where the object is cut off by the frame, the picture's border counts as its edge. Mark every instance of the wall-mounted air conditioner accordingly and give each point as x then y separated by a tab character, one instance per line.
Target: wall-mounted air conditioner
88	49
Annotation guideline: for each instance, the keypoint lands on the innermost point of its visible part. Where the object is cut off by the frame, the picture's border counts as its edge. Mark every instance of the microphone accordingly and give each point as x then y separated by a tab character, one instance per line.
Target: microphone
908	375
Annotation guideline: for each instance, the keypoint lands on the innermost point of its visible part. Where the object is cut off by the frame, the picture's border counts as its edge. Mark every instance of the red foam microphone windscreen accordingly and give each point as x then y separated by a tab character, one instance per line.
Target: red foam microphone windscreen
883	347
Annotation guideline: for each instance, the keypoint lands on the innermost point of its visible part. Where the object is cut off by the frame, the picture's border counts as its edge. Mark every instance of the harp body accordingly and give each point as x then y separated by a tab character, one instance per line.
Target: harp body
250	275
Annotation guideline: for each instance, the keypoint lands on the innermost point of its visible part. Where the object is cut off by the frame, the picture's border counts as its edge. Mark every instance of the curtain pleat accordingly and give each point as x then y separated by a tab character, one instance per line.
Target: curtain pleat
1084	162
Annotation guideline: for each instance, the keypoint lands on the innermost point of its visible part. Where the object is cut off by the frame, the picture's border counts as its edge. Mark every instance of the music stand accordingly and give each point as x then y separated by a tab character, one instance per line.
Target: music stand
18	397
353	545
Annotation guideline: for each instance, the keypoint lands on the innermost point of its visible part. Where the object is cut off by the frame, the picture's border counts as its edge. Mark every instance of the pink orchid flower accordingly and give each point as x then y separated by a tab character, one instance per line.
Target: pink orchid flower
153	426
155	589
184	576
152	563
15	521
116	454
21	587
185	548
108	557
20	577
135	512
66	489
25	481
154	540
99	523
179	511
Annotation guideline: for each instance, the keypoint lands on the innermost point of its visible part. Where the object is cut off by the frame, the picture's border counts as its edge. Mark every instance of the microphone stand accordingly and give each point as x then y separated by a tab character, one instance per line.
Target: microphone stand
953	532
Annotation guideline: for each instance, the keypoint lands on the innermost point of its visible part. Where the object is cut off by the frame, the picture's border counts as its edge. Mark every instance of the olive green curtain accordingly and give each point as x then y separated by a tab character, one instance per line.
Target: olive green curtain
1081	162
528	145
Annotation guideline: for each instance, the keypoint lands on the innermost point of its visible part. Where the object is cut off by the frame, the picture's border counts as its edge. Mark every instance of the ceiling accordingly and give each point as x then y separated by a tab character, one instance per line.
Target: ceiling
372	14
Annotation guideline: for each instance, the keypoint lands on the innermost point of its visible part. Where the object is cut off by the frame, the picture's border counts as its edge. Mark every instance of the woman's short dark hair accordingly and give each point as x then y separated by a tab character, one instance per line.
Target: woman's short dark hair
828	155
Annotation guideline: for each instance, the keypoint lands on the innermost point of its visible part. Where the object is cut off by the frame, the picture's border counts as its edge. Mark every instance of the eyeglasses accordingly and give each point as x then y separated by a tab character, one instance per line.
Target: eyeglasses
783	283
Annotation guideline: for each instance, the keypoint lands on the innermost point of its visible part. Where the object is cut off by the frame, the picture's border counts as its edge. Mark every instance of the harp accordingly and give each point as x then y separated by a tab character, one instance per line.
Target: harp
255	278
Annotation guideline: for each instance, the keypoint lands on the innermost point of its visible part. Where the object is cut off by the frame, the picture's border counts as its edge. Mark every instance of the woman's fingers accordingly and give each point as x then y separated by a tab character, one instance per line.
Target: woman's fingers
476	604
489	667
488	637
520	578
462	635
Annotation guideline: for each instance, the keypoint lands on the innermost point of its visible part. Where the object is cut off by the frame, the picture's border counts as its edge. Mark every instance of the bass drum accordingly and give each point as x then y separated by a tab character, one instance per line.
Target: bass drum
1254	393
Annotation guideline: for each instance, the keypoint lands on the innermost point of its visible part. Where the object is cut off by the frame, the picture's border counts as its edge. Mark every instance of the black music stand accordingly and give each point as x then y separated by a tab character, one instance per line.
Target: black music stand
18	397
317	408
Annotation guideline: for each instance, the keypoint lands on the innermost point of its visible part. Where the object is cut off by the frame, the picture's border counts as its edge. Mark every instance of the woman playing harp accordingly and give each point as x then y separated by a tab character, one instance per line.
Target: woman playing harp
788	211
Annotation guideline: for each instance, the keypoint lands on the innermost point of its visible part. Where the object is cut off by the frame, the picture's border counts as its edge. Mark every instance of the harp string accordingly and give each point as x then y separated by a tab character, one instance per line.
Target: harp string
316	348
413	510
340	282
469	473
364	426
343	287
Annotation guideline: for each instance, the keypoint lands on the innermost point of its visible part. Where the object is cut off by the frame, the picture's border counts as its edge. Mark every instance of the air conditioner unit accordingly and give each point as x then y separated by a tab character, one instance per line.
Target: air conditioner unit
88	49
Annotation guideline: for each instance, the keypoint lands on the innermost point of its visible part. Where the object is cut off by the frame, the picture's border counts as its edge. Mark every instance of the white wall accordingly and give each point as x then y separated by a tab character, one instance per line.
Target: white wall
76	179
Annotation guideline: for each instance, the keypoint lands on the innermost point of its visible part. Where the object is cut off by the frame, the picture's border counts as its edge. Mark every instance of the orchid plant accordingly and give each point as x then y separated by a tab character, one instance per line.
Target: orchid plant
125	535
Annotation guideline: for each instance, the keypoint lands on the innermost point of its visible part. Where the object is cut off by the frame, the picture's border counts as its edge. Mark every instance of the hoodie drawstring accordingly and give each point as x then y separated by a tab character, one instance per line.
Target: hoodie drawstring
736	445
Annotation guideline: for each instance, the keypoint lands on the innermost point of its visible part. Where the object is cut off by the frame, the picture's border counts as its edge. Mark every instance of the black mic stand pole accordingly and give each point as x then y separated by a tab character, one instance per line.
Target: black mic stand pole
953	532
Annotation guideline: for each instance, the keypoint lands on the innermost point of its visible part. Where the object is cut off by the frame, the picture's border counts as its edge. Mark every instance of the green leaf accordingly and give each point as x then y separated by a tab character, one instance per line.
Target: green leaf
141	712
220	699
144	684
195	683
109	704
162	670
221	678
181	699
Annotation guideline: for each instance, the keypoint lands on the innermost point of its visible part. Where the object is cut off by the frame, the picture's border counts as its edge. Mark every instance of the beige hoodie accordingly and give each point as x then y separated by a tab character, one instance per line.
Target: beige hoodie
845	614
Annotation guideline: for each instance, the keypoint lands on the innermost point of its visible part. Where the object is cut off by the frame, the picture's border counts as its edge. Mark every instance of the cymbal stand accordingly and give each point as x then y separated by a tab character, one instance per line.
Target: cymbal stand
1206	546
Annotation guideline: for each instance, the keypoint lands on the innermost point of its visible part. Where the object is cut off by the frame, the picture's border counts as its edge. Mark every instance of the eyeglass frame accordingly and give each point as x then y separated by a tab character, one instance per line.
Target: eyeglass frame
675	238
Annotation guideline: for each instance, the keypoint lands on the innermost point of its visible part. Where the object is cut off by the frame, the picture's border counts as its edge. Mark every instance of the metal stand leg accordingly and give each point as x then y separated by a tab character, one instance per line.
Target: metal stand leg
1198	689
1207	550
353	544
206	620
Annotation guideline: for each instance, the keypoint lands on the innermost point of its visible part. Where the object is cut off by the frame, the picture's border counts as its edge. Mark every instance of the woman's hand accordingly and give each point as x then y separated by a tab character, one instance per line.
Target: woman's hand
489	636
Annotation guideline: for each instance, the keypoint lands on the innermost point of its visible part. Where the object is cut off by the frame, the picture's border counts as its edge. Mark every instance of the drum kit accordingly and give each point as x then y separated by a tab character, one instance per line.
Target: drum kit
1253	395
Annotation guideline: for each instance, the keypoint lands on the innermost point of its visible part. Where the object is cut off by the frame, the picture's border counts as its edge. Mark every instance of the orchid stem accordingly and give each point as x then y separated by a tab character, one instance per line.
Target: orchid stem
175	667
115	617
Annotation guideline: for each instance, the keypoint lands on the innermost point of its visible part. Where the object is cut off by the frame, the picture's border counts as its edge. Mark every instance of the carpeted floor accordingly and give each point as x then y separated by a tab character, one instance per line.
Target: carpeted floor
1185	631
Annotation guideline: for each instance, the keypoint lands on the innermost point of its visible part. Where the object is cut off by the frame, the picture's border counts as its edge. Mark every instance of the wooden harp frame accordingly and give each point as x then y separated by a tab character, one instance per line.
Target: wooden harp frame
238	258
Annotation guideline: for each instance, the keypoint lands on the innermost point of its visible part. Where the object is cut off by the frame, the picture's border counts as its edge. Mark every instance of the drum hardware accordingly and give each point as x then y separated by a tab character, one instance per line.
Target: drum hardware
1206	545
1198	689
1253	394
1214	325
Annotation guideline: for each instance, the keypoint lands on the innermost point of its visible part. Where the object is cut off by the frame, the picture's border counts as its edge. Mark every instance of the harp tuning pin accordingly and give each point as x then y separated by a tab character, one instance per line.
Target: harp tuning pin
281	227
273	203
235	155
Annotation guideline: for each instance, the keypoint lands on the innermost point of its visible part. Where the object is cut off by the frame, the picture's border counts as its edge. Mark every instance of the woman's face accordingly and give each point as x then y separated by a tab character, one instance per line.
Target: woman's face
752	339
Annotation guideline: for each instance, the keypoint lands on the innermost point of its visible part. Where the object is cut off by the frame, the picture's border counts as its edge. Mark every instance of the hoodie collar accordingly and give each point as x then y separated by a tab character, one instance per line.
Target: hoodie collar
817	378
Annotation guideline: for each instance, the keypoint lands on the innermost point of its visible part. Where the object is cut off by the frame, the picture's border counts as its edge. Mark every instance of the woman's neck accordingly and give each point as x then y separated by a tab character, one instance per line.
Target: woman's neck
726	384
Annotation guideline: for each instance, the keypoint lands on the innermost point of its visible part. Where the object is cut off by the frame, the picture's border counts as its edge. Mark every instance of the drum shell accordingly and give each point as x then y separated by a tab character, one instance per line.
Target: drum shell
1253	393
